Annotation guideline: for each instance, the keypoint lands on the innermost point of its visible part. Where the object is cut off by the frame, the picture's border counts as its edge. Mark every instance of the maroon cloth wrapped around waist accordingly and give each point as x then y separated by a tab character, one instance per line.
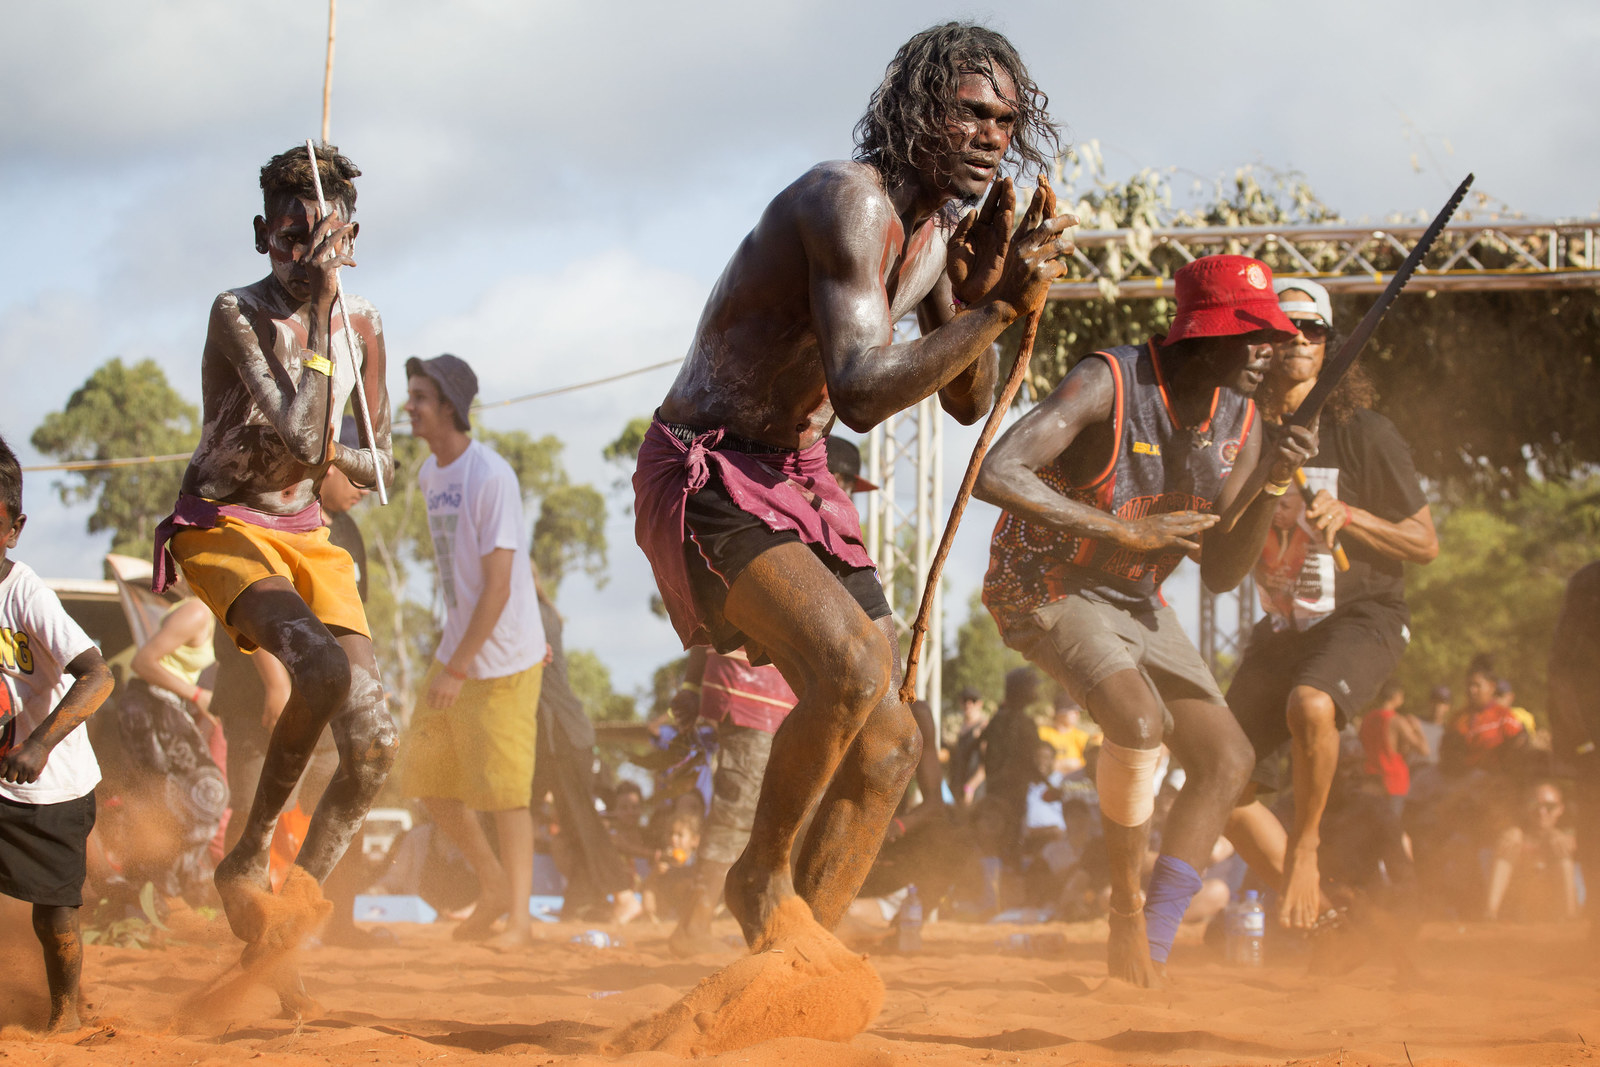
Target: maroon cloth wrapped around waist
196	512
746	695
784	490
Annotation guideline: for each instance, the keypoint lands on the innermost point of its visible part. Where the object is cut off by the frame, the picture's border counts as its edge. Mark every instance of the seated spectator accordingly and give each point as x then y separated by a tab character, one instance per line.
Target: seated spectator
1044	795
175	749
1534	877
1066	734
668	889
1485	732
1387	739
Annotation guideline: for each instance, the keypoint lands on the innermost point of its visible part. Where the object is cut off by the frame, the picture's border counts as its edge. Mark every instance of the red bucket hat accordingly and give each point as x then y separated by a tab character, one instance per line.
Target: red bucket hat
1223	296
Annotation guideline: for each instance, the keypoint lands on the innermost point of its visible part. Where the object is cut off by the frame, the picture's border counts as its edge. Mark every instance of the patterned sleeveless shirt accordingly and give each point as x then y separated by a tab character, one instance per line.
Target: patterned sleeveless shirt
1156	466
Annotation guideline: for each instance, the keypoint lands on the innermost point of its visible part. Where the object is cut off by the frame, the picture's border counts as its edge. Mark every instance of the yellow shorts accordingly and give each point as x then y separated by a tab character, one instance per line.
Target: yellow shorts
221	562
480	749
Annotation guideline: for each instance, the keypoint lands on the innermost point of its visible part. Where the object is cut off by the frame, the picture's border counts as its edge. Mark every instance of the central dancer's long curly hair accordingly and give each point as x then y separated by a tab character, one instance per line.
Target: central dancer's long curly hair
906	126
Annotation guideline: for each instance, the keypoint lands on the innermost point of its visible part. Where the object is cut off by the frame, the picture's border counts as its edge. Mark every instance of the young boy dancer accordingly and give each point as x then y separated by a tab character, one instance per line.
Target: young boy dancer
51	679
248	533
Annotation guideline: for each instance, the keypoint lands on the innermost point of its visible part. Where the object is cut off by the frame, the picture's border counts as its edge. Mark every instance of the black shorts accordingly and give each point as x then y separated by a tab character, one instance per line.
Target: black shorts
1348	656
724	540
43	850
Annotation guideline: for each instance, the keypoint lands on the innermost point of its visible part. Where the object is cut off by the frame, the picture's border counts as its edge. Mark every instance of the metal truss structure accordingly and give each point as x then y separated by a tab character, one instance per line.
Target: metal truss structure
1134	264
904	518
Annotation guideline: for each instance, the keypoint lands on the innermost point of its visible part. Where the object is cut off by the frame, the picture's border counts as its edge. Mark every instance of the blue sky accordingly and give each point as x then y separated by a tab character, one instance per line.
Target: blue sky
551	188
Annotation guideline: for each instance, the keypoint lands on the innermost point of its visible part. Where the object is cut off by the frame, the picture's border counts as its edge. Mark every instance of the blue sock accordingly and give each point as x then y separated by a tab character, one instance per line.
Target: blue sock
1173	884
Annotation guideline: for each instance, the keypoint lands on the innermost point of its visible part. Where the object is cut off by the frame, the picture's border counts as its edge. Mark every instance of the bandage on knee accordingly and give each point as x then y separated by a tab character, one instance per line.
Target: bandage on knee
1125	778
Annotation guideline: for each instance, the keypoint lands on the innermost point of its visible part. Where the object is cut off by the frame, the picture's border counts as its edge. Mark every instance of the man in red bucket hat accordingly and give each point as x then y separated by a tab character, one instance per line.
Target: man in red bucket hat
1106	485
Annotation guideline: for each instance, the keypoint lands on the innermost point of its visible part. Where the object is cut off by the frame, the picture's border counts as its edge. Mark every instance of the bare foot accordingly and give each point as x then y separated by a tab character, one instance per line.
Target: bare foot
754	897
1128	952
800	982
63	1019
512	939
480	924
241	880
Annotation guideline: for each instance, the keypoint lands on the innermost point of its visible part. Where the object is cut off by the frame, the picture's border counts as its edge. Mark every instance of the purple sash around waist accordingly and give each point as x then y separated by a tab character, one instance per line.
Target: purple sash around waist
196	512
789	490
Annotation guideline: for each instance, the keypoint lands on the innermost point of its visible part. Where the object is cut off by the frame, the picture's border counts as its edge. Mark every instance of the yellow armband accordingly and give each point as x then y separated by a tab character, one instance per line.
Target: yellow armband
1274	489
321	364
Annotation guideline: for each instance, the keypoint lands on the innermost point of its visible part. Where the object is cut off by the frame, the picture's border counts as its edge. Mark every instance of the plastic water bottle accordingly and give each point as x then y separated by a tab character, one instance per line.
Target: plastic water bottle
1247	930
911	921
596	939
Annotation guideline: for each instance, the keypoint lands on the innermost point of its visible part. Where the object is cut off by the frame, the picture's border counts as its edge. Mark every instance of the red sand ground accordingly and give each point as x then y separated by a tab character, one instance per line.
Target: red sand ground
1522	996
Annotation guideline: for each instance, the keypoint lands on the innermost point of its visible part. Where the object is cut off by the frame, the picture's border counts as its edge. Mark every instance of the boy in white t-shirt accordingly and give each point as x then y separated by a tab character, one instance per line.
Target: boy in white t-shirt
52	678
472	739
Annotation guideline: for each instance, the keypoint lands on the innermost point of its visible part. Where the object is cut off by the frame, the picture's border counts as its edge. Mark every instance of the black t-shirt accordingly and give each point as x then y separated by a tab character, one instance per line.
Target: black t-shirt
1365	463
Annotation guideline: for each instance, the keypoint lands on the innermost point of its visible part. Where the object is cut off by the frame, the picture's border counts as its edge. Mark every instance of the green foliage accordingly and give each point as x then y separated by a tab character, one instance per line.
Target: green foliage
536	461
1497	585
624	451
981	659
1489	388
591	682
122	411
570	534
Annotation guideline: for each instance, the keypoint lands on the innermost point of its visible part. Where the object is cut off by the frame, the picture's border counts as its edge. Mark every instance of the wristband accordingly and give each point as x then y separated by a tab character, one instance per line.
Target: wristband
194	697
321	364
459	676
1274	489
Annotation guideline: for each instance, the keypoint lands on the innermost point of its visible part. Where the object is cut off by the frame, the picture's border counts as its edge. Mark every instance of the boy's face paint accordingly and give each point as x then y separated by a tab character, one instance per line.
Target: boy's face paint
286	241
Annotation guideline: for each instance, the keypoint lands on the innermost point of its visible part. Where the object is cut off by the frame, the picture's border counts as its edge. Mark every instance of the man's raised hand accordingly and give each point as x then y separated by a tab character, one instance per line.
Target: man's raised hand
977	252
1170	529
1035	257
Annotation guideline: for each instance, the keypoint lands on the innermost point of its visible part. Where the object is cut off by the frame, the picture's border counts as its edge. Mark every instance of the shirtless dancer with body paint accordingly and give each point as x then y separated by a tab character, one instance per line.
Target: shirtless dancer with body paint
276	376
752	542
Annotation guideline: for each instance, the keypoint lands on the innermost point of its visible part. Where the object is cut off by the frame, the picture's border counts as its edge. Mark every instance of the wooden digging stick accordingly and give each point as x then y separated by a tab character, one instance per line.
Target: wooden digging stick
1019	370
360	389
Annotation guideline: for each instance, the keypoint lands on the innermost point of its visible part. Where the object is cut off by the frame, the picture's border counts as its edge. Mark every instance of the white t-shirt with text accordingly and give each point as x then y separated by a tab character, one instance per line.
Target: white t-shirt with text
37	641
475	507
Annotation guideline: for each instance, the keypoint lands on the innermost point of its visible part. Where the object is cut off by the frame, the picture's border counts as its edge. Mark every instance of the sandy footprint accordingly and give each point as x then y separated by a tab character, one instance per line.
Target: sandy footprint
799	982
